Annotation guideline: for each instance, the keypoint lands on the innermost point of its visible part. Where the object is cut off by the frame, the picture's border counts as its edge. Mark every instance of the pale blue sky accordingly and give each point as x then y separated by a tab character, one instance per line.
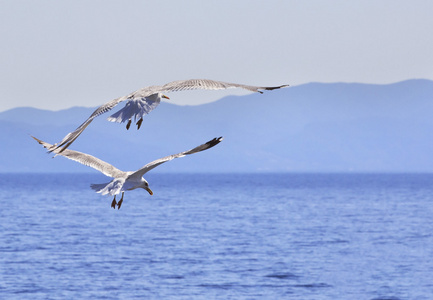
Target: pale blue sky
59	54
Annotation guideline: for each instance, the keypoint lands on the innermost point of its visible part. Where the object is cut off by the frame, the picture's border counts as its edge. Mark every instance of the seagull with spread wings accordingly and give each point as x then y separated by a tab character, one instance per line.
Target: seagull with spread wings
123	181
143	101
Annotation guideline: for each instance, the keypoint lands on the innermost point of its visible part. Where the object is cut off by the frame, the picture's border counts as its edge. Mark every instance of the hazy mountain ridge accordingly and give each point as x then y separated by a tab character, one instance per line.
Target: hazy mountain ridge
321	127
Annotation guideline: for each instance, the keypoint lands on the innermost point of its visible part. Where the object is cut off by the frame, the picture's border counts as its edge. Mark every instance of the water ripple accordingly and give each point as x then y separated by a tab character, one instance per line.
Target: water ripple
249	236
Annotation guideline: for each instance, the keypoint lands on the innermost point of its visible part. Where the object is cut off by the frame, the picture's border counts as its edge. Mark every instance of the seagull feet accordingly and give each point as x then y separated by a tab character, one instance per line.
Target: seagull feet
113	204
139	123
119	204
128	125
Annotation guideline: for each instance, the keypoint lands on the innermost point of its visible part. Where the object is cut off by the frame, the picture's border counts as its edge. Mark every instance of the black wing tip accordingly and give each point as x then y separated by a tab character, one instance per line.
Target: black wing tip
50	149
38	140
214	142
270	88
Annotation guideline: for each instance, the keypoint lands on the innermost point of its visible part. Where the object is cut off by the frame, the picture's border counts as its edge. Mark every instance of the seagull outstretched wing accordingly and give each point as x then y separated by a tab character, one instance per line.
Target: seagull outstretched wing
140	172
143	101
87	160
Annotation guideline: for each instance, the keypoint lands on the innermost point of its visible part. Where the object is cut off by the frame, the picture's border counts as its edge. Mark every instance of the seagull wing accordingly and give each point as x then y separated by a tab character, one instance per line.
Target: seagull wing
148	105
72	136
140	172
207	84
87	160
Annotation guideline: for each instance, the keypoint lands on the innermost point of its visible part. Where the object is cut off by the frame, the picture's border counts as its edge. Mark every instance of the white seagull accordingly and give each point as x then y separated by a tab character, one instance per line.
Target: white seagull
143	101
123	181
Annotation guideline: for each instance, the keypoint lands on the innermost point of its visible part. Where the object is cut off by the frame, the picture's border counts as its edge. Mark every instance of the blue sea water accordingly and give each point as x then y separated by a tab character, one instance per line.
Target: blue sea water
218	236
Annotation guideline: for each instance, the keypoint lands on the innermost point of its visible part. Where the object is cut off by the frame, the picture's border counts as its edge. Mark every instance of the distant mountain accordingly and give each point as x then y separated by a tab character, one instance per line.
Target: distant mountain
316	127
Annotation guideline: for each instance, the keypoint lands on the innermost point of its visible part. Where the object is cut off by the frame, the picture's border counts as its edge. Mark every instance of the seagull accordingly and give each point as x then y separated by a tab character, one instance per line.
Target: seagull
123	181
143	101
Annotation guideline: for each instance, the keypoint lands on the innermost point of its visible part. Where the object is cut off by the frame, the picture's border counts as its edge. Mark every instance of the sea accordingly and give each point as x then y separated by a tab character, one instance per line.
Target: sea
218	236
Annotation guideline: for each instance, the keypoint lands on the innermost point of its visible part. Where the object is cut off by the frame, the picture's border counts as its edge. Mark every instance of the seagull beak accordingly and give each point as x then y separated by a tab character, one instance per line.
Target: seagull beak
164	96
149	191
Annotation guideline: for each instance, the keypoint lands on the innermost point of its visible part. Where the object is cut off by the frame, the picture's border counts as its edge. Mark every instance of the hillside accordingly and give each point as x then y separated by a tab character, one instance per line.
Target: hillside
315	127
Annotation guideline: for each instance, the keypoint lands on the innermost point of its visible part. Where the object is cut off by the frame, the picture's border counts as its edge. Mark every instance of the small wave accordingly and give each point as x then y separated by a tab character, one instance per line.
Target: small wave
313	285
282	275
224	286
338	241
172	276
31	290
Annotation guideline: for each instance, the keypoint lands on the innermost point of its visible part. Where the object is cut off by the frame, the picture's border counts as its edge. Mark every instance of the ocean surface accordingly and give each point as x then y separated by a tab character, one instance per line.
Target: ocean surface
218	236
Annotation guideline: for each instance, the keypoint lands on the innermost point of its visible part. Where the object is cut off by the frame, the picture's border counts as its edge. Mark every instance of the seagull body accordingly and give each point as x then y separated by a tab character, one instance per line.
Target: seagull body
143	101
122	181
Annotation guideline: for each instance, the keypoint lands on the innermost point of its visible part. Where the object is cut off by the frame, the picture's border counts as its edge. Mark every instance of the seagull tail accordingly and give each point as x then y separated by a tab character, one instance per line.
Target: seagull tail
134	109
113	187
98	187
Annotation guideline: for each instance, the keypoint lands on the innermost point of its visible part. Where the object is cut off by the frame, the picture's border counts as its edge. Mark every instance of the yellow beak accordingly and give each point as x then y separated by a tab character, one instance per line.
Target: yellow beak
164	96
149	191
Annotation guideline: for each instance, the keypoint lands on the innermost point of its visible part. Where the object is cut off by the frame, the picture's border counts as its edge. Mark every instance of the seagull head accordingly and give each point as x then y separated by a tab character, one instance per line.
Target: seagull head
145	185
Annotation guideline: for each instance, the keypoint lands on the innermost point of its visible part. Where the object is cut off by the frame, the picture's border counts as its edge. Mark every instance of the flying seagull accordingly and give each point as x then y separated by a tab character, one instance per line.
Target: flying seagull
123	181
143	101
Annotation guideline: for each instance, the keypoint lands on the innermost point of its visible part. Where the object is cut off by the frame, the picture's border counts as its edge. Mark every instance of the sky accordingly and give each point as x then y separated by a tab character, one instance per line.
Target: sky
60	54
